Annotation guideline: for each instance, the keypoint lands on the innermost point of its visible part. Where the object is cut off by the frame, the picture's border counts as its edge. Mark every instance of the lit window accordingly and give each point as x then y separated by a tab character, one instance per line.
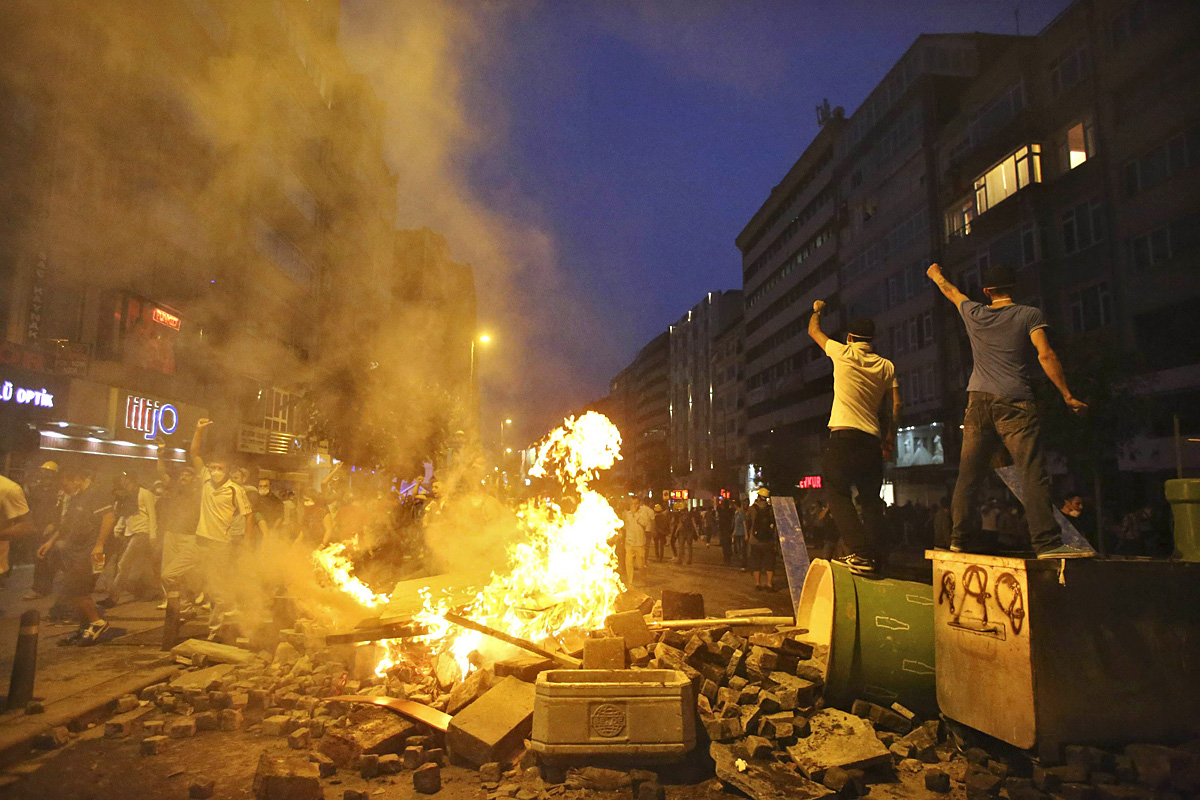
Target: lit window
1080	145
959	217
1009	176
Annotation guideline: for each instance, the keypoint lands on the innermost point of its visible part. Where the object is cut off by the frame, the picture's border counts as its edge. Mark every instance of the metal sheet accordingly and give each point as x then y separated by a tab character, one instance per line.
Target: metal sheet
791	543
1070	535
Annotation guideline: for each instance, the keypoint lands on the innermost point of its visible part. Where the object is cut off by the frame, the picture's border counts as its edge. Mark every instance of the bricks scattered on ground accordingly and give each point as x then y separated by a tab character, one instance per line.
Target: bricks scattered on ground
117	729
153	745
427	779
287	777
202	790
51	739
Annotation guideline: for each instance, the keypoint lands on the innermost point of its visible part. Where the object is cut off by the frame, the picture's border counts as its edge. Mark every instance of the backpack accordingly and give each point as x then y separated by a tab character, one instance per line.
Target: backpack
764	522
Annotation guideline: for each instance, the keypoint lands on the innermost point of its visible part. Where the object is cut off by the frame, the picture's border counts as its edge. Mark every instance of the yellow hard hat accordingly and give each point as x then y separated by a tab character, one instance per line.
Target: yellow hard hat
764	491
50	465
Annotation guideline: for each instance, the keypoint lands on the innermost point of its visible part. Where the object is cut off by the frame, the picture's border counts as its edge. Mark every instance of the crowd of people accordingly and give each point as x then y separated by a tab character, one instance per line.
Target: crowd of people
98	541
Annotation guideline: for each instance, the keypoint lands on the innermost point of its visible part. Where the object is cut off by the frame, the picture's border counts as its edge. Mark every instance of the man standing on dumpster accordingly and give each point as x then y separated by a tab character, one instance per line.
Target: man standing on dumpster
858	441
1001	408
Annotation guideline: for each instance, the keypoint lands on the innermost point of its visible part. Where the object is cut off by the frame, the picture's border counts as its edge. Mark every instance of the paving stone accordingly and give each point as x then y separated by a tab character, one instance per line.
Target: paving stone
414	757
493	725
371	730
837	739
682	605
910	765
982	784
923	743
153	727
325	766
760	663
489	772
755	747
368	766
846	782
389	764
299	739
287	777
1157	765
207	721
126	703
604	653
630	626
651	790
355	794
278	725
428	779
117	729
153	745
202	790
230	719
436	755
937	781
807	692
181	728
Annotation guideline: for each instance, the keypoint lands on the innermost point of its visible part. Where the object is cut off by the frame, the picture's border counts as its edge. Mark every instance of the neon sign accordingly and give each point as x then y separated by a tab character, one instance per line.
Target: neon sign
19	395
163	317
809	482
150	417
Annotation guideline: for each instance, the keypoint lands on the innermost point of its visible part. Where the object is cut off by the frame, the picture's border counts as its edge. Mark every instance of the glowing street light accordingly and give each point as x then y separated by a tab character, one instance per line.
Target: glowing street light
482	338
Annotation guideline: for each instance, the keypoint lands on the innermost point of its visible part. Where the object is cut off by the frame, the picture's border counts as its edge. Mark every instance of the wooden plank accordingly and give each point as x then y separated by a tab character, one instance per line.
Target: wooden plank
376	633
417	712
569	662
720	622
214	651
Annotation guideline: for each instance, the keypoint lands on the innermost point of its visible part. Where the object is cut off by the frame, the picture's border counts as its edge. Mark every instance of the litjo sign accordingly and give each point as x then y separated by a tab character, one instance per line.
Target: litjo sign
150	417
809	482
164	317
22	396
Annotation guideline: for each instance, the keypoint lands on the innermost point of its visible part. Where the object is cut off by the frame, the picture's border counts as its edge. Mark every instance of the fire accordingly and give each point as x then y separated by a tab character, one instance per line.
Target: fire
561	577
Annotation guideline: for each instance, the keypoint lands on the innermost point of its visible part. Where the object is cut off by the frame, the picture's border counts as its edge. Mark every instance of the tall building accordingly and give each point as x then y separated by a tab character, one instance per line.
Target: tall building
197	201
729	454
693	458
650	409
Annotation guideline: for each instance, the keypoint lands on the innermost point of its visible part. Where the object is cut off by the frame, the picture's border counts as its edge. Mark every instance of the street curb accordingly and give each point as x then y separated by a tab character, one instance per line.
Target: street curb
16	739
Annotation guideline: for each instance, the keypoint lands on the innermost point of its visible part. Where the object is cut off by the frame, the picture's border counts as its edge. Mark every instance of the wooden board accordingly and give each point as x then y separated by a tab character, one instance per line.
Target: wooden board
417	712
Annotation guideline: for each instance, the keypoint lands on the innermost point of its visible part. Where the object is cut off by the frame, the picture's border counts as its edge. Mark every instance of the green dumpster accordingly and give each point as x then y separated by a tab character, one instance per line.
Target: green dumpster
880	637
1184	496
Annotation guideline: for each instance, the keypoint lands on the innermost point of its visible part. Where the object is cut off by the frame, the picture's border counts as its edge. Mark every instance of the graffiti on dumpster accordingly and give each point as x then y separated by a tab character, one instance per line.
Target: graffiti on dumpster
1014	608
970	613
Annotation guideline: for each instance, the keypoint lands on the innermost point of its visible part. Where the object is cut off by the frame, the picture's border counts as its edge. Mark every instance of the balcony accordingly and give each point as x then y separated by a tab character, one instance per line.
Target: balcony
261	441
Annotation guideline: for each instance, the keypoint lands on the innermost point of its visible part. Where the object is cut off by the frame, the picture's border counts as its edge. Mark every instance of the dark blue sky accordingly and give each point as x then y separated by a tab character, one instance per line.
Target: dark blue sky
641	135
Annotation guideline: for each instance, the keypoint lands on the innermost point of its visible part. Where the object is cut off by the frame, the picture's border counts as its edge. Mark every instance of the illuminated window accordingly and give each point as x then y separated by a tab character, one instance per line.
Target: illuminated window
959	218
1008	177
1078	146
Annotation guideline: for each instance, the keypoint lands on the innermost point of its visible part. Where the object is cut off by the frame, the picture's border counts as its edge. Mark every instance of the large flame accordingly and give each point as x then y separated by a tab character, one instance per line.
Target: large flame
561	577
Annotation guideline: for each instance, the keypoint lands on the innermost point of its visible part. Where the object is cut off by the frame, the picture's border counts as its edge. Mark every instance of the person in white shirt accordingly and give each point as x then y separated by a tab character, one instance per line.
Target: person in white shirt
858	441
639	523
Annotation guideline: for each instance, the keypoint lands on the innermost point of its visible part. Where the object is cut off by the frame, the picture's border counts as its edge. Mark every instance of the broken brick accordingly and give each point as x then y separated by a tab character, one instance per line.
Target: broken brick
287	777
181	728
152	745
937	781
606	653
428	779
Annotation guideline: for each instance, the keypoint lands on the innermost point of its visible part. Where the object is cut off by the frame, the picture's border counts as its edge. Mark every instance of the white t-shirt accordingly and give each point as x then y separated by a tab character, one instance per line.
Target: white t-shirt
860	379
219	507
637	525
12	500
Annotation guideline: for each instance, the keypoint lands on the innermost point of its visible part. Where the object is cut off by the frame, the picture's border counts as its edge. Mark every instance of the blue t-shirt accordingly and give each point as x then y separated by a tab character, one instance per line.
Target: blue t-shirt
1001	347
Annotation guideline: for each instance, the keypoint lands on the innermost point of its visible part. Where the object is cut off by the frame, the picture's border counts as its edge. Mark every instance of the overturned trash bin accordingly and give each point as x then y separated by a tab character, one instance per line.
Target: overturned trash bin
880	637
647	714
1184	496
1045	653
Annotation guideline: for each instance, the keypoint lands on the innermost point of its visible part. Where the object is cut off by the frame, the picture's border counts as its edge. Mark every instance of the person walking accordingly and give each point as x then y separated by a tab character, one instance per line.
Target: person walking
724	516
1001	408
139	569
738	546
662	530
687	530
764	541
639	523
858	440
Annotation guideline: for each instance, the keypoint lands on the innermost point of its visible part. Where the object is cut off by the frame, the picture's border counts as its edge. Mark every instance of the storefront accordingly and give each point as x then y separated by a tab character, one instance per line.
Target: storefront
28	401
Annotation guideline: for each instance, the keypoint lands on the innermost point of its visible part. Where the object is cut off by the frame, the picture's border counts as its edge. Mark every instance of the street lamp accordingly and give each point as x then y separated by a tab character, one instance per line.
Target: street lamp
482	338
502	425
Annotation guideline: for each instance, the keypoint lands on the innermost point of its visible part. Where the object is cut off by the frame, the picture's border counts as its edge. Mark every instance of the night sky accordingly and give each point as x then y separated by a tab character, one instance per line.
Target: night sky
641	136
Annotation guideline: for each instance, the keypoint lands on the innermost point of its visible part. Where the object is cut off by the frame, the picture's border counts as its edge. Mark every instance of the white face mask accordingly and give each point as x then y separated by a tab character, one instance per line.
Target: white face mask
264	490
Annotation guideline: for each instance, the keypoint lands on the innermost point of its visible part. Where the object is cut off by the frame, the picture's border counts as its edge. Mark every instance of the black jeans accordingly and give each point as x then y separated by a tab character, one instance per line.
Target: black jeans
853	459
989	423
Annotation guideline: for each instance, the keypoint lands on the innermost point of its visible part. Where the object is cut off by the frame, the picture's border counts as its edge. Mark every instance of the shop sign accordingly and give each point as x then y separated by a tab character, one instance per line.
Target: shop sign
150	417
25	395
15	355
809	482
164	317
676	494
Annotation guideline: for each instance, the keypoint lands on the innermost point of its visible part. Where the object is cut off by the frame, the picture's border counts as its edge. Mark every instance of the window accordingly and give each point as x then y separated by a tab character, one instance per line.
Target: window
1078	145
1161	163
927	328
1028	245
958	218
1127	22
1150	249
1009	176
1091	308
1082	226
1069	69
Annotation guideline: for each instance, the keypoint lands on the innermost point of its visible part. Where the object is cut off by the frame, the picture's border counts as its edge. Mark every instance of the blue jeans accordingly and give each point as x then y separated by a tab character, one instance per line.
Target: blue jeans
991	422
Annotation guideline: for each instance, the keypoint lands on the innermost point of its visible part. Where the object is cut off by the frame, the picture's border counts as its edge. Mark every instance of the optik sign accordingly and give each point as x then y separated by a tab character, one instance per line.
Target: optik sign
11	393
150	417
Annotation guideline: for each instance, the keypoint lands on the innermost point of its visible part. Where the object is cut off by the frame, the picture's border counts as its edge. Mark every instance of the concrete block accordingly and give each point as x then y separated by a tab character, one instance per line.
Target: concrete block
413	757
371	730
181	728
153	745
630	626
755	747
494	725
278	725
524	667
153	727
982	784
202	790
807	692
436	755
682	605
126	703
117	729
325	766
937	781
607	653
287	777
428	779
299	739
389	764
837	739
230	719
207	721
368	766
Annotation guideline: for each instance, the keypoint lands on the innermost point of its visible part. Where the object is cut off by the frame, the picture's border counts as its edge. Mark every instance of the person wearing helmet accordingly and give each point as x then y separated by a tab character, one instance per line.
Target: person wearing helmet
764	541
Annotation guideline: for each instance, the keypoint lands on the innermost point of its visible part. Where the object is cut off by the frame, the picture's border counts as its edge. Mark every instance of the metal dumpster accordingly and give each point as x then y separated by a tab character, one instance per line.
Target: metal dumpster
1184	496
1045	653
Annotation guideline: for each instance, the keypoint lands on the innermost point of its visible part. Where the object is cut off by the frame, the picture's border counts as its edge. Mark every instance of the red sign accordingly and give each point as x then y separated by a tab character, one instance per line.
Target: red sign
164	317
726	494
809	482
676	494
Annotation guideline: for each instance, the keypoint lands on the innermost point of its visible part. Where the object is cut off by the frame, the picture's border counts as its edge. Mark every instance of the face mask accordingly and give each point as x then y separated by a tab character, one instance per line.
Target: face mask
264	490
218	476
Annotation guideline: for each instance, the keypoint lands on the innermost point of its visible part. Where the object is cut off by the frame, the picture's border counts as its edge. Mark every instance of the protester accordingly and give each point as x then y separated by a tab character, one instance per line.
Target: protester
221	504
724	516
943	524
687	531
178	516
741	552
764	541
639	522
858	440
662	531
1001	408
44	495
268	510
139	568
86	524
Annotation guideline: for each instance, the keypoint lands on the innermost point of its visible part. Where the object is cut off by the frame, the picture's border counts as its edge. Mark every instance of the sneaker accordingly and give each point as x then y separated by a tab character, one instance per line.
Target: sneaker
162	606
859	565
92	633
1066	551
71	638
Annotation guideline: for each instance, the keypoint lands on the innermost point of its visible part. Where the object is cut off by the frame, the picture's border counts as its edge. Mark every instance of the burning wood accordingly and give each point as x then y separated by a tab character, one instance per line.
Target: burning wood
558	658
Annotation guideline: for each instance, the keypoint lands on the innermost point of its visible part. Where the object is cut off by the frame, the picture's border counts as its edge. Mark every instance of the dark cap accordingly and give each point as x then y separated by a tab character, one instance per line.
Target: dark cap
999	276
862	328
